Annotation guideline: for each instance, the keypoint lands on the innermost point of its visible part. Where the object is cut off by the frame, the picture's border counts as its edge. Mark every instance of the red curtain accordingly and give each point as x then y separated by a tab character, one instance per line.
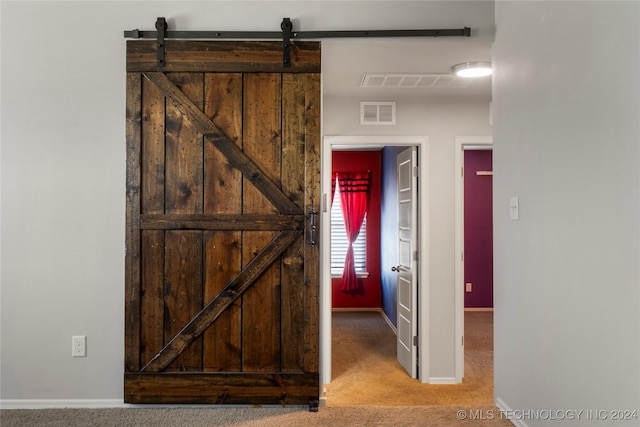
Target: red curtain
354	197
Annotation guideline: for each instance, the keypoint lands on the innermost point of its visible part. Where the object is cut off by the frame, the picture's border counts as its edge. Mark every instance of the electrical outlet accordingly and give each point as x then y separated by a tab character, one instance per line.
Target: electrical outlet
79	346
468	287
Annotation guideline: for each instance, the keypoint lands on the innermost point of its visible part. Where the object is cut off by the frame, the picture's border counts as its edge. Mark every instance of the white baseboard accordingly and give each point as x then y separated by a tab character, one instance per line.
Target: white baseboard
391	325
479	309
61	403
322	402
507	410
442	380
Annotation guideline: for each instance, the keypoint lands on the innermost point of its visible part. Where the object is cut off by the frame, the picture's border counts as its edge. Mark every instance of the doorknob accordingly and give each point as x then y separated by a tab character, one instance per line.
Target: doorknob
397	269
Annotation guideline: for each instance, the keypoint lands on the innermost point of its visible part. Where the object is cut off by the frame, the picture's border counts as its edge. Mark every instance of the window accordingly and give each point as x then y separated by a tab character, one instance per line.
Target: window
339	240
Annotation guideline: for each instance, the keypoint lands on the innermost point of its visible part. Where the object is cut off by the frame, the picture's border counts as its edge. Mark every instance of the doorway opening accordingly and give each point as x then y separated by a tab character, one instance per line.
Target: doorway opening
462	143
367	143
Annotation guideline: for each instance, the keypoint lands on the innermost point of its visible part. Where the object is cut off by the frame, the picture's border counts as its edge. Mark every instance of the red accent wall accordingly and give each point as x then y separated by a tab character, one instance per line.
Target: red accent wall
357	161
478	229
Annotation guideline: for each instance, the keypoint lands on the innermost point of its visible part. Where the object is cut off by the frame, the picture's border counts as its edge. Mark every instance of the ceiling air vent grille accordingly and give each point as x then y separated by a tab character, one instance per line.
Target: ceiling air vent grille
377	113
414	80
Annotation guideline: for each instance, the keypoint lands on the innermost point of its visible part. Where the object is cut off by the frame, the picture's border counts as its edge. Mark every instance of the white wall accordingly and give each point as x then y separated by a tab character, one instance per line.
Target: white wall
441	120
567	143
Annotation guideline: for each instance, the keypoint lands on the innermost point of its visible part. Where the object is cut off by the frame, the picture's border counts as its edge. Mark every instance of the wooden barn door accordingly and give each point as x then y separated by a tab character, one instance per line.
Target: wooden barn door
223	170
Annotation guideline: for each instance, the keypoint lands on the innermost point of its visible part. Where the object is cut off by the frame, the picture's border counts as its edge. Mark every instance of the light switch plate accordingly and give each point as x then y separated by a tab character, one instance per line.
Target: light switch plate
514	208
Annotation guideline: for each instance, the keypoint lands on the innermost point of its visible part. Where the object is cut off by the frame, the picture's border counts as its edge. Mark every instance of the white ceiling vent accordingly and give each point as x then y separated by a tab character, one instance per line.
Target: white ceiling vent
377	113
414	80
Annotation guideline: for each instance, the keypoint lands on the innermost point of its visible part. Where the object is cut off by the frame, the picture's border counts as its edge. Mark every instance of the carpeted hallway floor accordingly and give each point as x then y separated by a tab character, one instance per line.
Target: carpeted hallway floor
365	370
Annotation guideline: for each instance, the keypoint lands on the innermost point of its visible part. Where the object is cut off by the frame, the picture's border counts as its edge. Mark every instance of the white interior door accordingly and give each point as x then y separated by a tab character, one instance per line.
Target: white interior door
407	261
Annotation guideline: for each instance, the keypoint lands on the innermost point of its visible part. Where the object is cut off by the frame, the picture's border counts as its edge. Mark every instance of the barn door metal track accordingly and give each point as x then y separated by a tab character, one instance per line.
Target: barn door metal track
286	35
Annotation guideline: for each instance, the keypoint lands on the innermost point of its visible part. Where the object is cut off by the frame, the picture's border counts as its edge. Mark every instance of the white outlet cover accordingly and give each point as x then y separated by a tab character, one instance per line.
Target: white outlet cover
79	346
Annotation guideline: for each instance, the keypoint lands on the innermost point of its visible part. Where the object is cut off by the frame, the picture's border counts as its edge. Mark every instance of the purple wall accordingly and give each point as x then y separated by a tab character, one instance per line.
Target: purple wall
478	229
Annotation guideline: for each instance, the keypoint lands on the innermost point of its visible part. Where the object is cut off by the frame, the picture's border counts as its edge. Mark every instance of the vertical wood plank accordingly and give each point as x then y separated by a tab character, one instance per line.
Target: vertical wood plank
262	143
223	105
132	258
183	292
152	296
153	125
293	185
184	147
312	201
152	242
222	195
222	340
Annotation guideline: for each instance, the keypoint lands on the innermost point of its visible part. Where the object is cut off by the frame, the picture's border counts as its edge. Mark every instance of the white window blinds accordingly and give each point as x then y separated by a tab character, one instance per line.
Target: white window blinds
339	241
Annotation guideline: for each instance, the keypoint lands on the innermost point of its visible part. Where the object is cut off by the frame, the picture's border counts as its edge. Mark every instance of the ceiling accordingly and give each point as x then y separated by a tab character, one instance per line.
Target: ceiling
345	61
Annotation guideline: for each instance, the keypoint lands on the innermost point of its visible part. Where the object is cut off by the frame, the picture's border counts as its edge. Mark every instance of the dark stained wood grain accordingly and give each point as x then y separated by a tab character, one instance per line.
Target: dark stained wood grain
222	339
222	388
222	170
223	197
183	294
293	183
152	294
221	222
262	144
184	145
236	157
132	220
223	56
153	149
312	201
223	106
152	242
234	289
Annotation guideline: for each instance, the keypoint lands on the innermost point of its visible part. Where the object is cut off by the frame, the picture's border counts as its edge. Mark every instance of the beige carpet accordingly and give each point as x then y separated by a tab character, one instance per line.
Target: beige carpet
365	370
429	416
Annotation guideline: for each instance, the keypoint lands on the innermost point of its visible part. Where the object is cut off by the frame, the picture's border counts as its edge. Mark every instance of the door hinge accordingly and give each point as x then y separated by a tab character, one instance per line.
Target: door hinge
462	256
463	340
416	171
415	341
462	171
415	255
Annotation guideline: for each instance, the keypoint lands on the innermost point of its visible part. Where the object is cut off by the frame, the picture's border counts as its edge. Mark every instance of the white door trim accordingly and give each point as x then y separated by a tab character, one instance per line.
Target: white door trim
462	142
330	142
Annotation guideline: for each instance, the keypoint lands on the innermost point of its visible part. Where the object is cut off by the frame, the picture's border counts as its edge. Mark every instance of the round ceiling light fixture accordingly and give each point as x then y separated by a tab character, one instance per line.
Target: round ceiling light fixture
472	69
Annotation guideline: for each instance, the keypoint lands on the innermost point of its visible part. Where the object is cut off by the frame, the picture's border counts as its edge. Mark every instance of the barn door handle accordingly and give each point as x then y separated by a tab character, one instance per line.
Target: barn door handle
312	227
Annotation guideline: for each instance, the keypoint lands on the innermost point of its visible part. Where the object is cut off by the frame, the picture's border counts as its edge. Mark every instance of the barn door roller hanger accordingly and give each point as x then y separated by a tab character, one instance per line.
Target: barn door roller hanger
286	35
